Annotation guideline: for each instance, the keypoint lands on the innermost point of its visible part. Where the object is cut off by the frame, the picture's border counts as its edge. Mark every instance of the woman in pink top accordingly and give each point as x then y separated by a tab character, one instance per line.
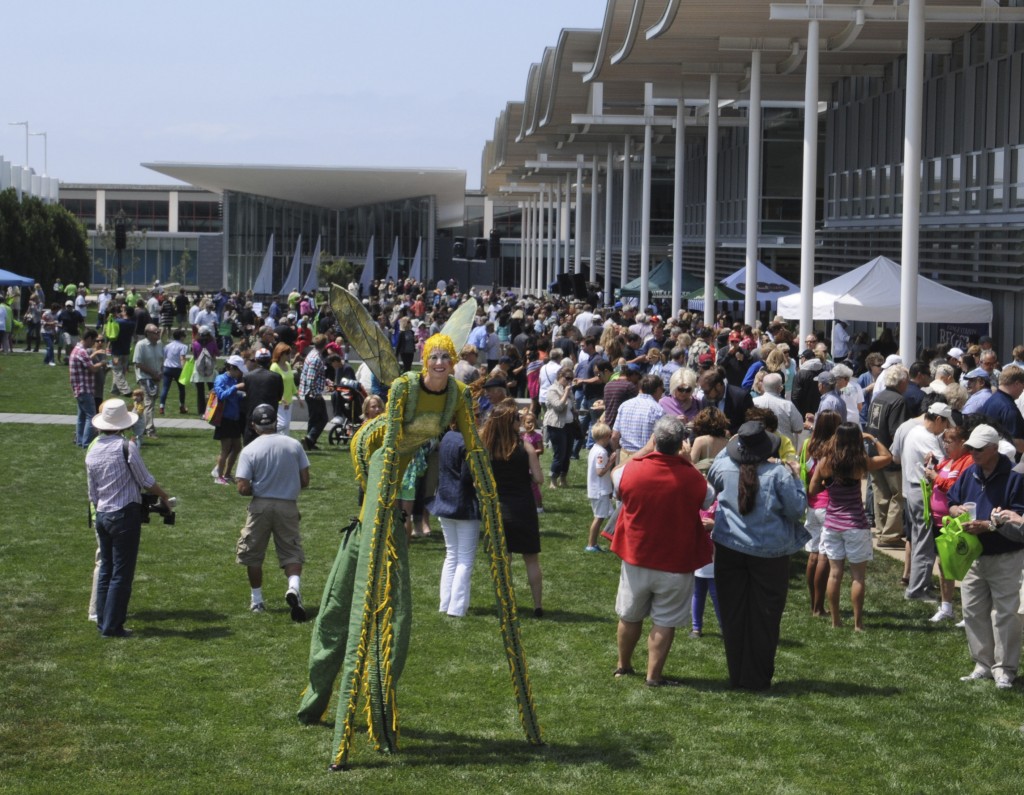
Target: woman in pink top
846	533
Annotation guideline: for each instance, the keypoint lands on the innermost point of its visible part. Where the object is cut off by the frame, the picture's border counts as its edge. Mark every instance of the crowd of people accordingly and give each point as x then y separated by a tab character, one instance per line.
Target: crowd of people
836	448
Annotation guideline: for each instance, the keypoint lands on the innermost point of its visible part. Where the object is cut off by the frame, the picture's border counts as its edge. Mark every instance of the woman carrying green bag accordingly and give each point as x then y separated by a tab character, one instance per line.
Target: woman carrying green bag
941	476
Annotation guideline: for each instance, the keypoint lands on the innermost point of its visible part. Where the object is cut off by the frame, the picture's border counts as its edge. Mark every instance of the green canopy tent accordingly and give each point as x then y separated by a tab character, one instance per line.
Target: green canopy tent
659	282
729	298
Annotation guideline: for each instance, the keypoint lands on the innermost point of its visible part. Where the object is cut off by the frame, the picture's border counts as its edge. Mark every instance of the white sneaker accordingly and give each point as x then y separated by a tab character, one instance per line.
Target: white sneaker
257	607
1004	682
294	601
214	473
941	615
961	623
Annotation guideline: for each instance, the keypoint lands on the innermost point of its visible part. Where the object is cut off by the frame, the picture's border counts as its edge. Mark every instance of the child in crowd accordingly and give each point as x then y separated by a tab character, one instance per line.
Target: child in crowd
704	583
600	462
529	433
138	429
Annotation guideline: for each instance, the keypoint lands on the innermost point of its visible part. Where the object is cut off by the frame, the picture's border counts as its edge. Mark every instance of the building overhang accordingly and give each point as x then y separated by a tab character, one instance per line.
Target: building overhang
335	188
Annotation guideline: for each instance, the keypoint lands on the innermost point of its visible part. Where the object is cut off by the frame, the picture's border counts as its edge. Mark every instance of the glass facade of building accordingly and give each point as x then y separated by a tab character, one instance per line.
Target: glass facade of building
250	220
149	257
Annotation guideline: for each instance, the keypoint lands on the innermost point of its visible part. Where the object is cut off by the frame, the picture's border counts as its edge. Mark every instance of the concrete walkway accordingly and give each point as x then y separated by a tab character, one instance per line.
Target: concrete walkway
161	422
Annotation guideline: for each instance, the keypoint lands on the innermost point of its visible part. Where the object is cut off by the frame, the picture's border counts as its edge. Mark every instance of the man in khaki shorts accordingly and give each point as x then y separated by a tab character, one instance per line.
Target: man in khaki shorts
662	541
272	469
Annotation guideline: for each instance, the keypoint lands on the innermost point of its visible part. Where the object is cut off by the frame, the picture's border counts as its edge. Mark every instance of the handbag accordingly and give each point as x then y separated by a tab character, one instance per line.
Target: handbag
575	429
958	549
214	409
187	370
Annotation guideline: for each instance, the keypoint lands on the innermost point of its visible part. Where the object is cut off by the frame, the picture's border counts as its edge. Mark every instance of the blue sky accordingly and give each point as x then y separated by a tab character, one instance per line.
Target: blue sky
312	82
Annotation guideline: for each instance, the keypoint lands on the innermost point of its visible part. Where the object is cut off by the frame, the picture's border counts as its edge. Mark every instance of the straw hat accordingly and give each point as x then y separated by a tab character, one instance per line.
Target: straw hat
114	416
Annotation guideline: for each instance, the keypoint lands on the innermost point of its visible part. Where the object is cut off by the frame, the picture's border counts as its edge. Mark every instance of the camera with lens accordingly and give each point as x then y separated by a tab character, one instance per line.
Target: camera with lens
151	504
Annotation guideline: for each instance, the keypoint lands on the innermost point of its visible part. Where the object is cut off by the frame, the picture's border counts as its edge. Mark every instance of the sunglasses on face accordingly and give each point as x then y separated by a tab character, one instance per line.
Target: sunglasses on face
686	389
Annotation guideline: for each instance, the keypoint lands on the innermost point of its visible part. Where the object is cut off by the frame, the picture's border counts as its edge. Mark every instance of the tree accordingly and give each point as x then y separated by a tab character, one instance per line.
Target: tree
336	270
41	241
179	273
107	238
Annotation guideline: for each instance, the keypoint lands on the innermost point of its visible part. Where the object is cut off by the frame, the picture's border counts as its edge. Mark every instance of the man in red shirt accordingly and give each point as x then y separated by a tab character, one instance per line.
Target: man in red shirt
662	540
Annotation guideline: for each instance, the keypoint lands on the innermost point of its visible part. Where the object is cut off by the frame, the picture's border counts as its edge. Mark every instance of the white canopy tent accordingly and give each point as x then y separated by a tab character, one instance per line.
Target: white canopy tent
770	286
872	293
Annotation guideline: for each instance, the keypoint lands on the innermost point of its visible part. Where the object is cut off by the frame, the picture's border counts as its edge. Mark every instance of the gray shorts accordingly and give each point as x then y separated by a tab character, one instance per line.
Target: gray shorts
266	518
662	595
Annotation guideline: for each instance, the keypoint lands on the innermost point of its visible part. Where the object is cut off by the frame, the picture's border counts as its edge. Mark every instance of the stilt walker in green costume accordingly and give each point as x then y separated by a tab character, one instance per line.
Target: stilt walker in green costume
362	628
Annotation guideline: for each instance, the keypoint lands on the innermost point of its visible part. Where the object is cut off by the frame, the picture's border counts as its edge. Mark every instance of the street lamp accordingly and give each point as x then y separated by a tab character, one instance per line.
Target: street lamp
25	125
46	158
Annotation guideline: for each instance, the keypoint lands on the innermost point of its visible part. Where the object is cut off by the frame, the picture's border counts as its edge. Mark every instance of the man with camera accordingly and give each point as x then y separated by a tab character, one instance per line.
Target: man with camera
272	469
117	477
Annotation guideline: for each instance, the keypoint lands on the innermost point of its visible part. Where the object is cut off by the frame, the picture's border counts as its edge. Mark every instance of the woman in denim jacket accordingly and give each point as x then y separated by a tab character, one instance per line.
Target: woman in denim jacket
757	528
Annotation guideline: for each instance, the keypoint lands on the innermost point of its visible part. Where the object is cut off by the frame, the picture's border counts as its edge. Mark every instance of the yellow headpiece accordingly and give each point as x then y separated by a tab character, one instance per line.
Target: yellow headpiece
439	342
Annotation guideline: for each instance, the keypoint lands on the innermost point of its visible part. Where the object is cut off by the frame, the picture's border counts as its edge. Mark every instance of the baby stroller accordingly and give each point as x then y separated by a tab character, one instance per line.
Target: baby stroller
347	402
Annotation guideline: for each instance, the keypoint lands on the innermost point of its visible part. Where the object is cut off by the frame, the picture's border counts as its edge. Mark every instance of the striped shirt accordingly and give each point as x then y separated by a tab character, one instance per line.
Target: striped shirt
113	484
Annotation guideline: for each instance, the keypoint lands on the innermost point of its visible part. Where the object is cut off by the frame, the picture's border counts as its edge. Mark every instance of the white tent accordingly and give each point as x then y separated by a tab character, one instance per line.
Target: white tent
770	286
872	293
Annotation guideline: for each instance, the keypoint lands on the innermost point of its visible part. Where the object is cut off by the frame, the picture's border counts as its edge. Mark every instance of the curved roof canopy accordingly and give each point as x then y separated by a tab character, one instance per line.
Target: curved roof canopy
332	187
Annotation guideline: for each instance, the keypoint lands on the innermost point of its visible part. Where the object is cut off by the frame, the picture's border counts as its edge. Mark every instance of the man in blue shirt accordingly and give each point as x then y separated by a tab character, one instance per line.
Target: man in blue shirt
1002	409
991	589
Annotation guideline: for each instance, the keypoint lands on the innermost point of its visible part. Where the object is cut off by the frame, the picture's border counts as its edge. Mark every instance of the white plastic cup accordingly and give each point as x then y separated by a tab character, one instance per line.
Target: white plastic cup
972	510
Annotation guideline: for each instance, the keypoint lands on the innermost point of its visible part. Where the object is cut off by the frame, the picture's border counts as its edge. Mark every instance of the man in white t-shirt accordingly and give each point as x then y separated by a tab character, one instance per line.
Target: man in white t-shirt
850	391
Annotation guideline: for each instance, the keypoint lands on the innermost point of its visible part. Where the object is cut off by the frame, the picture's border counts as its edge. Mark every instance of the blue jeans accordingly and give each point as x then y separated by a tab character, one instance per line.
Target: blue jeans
702	586
559	440
84	432
171	376
118	533
48	339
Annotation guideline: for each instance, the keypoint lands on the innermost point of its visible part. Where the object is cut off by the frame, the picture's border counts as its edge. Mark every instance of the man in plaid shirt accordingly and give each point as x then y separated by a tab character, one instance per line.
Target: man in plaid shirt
82	365
312	384
635	420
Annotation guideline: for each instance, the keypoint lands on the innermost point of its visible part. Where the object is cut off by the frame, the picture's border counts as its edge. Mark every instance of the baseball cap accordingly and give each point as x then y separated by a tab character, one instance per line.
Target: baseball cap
892	359
633	367
977	372
735	336
982	436
236	361
825	377
955	353
262	353
264	416
942	410
806	353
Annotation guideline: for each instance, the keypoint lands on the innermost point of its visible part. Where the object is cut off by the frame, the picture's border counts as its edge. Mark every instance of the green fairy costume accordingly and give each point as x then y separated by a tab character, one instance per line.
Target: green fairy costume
362	628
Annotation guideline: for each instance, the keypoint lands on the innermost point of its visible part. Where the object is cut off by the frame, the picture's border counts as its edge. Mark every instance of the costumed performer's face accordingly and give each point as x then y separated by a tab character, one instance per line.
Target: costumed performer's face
439	363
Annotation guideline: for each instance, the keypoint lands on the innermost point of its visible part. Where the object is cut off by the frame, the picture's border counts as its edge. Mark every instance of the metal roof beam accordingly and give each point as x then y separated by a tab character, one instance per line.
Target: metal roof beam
988	14
778	44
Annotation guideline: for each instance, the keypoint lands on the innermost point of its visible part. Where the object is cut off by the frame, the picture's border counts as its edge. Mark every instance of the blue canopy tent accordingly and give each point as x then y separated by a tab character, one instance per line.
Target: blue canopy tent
7	279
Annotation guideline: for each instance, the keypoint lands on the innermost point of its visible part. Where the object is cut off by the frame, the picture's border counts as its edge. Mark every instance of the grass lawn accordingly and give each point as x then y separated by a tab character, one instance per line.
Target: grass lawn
202	699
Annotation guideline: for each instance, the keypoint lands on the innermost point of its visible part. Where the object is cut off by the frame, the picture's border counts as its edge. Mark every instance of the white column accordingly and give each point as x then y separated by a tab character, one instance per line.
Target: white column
546	266
624	243
577	259
910	253
677	210
101	209
711	213
809	182
556	226
593	222
566	223
522	248
645	218
538	260
172	211
753	185
609	184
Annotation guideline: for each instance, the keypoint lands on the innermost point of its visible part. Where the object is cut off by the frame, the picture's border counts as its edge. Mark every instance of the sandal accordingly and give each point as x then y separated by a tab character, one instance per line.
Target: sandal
620	672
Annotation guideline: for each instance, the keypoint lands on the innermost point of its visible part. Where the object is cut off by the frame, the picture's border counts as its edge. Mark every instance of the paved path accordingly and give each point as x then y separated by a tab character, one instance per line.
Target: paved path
161	422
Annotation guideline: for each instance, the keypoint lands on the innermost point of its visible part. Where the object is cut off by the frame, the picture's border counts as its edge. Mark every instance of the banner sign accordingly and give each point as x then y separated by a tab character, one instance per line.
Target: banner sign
958	334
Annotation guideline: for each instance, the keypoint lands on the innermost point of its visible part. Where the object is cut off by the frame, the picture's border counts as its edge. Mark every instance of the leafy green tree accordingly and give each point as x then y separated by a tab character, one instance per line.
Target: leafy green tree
41	241
337	270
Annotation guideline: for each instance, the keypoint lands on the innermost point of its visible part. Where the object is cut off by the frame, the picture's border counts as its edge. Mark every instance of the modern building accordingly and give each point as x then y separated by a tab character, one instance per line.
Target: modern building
722	133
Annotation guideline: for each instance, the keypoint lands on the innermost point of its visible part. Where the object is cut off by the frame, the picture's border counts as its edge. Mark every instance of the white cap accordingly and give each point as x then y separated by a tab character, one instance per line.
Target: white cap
955	353
982	436
892	359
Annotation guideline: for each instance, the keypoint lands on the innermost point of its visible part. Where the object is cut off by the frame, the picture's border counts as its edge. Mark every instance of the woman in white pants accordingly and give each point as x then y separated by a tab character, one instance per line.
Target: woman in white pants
456	507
